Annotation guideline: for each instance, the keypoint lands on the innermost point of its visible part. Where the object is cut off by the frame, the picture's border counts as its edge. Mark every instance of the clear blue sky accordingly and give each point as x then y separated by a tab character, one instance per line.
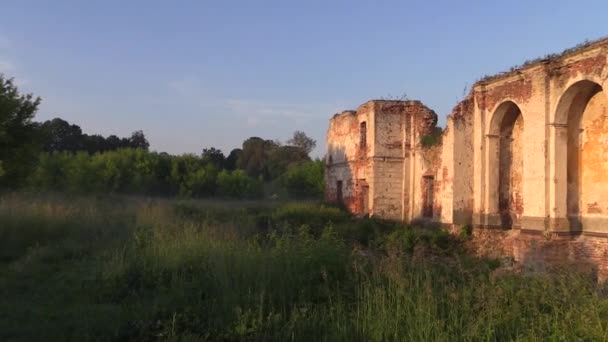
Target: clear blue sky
196	74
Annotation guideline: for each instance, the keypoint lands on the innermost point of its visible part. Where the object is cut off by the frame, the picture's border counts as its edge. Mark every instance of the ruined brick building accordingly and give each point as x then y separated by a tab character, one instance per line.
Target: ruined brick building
523	159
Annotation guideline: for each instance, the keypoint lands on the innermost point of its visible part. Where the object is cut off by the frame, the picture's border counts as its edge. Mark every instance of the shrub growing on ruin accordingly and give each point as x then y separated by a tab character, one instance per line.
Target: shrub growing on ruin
432	139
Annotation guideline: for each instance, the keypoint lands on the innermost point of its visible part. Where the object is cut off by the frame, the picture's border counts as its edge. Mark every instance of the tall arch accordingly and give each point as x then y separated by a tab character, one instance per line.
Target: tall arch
582	116
505	168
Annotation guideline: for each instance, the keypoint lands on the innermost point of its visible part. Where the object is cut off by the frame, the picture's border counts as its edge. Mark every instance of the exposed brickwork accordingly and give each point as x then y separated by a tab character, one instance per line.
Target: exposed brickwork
525	150
464	109
519	90
563	71
543	251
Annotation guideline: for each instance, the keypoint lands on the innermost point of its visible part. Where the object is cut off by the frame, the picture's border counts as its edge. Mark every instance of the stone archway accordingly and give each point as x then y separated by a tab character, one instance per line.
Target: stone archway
582	114
505	152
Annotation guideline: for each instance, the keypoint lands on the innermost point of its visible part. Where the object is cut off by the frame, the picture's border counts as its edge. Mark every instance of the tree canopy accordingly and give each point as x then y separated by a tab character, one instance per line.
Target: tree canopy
301	140
59	135
18	141
55	155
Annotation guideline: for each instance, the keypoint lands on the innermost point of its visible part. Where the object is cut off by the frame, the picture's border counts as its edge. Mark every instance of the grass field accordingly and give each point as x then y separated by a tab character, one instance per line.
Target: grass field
120	268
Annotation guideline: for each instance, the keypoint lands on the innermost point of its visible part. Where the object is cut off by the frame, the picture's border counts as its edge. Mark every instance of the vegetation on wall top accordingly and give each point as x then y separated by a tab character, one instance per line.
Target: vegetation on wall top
548	57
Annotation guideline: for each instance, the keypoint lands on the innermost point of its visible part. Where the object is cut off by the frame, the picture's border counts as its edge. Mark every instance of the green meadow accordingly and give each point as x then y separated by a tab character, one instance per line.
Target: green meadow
79	268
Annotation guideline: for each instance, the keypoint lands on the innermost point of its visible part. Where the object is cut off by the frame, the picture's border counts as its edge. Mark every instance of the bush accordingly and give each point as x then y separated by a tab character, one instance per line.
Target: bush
200	182
317	217
369	232
237	184
138	171
126	171
407	239
432	139
466	231
305	180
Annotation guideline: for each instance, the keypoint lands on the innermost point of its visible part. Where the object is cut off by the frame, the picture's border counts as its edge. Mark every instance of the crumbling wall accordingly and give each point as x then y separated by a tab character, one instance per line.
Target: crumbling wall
390	122
457	165
509	179
349	144
510	182
429	184
541	252
424	158
347	166
480	167
563	138
388	185
593	163
548	173
342	138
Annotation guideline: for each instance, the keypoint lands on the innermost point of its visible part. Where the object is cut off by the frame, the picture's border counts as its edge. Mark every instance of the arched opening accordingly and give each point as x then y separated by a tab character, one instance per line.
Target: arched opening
506	164
582	111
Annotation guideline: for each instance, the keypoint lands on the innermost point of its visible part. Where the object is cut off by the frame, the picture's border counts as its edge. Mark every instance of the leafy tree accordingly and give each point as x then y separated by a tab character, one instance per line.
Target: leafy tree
162	171
305	180
193	177
83	173
200	183
138	140
50	172
60	135
255	155
230	163
95	143
281	158
301	140
237	184
19	142
113	143
214	156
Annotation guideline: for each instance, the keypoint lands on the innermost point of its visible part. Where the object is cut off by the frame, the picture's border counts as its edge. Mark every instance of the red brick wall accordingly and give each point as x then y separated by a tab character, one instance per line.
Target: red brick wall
540	251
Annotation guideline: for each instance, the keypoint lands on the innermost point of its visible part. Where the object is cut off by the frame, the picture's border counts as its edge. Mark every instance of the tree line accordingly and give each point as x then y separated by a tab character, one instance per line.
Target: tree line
56	155
59	135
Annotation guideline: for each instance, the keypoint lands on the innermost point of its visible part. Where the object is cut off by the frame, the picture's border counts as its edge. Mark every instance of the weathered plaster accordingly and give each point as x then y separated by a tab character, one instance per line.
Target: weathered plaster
526	150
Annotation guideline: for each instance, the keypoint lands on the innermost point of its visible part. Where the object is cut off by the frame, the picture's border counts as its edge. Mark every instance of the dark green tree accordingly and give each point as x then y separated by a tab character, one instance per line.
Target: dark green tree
214	156
94	143
230	163
19	136
113	143
138	140
281	158
60	135
305	180
255	155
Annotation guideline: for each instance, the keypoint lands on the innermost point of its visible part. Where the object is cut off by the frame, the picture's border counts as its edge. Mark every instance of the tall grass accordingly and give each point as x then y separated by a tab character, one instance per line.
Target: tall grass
139	269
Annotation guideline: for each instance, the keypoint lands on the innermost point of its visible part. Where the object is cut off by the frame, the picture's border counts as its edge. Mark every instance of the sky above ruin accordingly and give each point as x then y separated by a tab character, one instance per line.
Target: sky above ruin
194	74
